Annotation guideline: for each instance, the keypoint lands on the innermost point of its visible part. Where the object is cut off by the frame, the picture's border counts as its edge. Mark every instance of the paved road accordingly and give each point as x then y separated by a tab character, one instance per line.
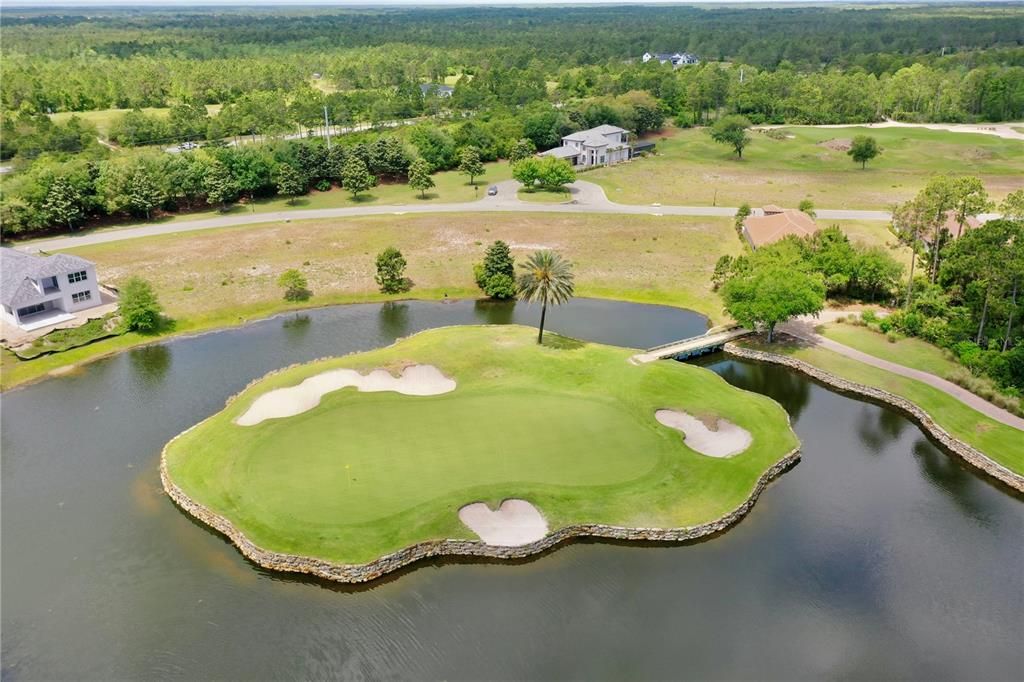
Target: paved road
585	197
804	329
1008	131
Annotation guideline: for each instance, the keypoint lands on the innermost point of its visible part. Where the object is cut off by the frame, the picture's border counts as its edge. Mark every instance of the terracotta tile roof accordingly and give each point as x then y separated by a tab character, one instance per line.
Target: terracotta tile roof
761	230
771	209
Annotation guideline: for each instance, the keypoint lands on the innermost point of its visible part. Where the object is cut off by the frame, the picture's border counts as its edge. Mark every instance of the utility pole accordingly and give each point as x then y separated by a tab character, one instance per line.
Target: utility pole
327	129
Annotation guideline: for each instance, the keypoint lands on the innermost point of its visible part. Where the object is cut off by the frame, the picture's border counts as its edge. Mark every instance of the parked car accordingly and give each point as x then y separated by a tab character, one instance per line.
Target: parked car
492	190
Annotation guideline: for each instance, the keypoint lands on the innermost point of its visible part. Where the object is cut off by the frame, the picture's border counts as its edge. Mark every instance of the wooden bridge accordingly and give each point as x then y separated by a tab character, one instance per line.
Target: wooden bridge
698	345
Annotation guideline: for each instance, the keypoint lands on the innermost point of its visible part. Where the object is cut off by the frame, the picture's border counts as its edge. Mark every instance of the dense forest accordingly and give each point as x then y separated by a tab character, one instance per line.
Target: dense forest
521	77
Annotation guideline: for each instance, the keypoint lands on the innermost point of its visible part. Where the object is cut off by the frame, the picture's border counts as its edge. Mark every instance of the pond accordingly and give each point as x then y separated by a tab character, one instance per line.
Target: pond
877	556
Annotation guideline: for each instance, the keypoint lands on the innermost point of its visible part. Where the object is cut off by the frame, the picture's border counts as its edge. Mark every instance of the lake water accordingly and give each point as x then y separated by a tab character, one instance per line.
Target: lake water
878	556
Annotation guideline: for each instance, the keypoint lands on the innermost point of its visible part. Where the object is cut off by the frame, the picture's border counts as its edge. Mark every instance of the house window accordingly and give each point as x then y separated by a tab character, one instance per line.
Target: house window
78	276
31	309
602	159
80	296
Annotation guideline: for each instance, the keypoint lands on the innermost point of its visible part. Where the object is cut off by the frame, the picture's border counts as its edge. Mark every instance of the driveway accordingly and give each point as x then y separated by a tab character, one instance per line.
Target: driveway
587	197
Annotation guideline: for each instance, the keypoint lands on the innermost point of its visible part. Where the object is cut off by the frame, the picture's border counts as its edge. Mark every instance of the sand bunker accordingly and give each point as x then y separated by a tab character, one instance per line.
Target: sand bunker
725	440
287	402
838	144
516	522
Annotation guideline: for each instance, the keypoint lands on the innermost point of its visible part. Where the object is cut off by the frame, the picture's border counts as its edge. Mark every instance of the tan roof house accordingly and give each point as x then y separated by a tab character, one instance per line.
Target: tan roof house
953	227
775	224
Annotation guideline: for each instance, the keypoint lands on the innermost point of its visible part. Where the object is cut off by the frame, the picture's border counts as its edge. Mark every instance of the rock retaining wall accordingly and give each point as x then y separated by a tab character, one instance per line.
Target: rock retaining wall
358	573
961	449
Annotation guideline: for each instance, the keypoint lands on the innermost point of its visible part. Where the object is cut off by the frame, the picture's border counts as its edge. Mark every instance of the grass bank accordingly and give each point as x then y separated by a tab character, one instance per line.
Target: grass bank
809	163
1000	442
224	277
569	427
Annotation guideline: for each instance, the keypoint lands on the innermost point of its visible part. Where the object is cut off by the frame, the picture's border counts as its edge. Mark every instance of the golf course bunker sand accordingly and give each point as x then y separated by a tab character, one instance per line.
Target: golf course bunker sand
421	380
516	522
725	440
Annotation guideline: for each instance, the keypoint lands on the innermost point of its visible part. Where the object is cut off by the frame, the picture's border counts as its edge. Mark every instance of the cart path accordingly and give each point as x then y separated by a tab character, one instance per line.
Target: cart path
804	329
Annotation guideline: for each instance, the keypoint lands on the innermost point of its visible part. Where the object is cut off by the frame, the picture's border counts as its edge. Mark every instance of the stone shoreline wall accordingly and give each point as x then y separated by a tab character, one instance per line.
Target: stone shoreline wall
359	573
959	448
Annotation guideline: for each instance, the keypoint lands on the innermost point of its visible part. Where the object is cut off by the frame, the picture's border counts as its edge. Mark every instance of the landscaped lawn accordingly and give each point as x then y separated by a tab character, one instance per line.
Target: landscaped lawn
909	352
997	440
540	196
691	169
568	427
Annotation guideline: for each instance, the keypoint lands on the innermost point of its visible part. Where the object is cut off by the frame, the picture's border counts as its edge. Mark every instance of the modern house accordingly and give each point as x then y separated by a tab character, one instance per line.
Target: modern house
600	146
38	291
437	89
675	58
775	224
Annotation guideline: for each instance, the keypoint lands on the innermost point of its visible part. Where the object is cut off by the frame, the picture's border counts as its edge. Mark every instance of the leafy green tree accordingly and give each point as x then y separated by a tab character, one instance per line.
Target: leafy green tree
355	178
388	157
742	213
289	182
63	202
527	171
969	198
219	186
876	271
732	130
470	164
863	149
545	278
555	173
138	306
419	177
434	145
391	271
496	275
723	268
807	206
522	149
295	286
143	193
1012	207
770	293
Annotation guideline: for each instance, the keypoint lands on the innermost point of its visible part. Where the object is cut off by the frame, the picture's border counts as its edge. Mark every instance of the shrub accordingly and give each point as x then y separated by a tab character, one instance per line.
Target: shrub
391	271
323	185
891	337
935	330
885	325
294	284
139	307
868	317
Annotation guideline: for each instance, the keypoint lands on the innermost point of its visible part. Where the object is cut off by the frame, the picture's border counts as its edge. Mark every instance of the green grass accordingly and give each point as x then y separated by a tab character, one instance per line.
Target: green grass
543	196
909	352
61	340
997	440
104	118
691	169
568	426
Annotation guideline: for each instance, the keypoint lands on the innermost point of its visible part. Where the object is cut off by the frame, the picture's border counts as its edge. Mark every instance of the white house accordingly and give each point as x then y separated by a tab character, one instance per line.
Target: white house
37	291
676	58
438	89
600	146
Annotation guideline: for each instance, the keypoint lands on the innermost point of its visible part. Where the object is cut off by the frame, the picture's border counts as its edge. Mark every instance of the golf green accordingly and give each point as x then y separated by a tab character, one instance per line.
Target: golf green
567	426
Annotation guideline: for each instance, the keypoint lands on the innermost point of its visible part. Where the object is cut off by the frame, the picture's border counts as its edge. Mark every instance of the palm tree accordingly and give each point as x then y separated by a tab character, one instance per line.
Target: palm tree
546	278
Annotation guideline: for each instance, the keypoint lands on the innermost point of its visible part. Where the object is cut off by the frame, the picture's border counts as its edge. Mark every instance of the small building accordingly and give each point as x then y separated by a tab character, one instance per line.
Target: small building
436	89
777	224
39	291
600	146
677	59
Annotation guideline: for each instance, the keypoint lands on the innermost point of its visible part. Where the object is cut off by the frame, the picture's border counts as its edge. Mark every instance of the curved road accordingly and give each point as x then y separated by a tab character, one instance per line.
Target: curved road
585	197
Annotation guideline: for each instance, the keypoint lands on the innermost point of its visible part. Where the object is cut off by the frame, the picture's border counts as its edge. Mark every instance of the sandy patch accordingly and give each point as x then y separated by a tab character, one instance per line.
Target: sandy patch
516	522
838	144
287	402
720	439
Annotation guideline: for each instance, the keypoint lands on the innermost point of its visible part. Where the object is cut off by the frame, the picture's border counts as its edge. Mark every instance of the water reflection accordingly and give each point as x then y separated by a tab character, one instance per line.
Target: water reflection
150	364
878	428
393	319
494	312
788	388
951	475
296	327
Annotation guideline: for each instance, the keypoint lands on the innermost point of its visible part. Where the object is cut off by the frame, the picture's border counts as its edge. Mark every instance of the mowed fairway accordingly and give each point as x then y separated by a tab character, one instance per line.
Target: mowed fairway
691	169
568	426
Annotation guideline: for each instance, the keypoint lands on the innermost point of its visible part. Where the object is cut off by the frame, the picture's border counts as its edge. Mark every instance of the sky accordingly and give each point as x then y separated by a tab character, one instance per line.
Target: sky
365	3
